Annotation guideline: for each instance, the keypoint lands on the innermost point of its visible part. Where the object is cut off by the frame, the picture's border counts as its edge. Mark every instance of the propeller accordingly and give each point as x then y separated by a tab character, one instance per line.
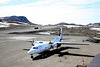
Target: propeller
32	42
51	44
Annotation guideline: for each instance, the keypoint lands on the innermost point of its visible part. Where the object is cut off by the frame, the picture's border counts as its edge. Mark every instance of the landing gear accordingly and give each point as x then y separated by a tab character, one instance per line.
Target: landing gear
58	45
42	55
32	57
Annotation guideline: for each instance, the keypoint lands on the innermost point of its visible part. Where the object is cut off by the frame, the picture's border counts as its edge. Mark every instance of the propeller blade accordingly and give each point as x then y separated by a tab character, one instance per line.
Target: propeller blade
33	42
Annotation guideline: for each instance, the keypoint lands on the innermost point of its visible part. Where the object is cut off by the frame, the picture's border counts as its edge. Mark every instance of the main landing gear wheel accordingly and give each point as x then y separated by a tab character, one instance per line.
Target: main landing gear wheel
44	55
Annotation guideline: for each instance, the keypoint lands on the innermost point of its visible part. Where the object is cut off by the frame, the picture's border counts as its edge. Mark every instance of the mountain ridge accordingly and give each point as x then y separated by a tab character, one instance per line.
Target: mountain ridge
16	19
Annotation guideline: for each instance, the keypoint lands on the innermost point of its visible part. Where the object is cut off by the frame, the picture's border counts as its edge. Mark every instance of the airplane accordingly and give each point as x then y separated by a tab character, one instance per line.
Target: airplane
39	47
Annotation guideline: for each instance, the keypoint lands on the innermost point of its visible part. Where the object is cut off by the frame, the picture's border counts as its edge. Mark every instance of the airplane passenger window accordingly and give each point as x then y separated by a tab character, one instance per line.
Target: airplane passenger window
40	42
35	47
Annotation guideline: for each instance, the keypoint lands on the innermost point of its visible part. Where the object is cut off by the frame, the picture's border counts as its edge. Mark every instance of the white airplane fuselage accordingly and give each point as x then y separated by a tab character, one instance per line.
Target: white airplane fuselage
40	47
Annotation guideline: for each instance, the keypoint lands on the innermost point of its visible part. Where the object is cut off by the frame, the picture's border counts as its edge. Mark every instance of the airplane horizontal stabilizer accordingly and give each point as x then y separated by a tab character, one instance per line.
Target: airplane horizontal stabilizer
72	43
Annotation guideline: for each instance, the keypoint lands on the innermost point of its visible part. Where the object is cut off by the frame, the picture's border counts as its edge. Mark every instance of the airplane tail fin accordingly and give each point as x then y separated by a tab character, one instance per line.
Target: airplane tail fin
60	32
59	38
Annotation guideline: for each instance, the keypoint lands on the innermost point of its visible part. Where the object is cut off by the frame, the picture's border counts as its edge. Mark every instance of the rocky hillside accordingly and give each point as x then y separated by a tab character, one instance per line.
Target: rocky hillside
16	19
64	23
93	24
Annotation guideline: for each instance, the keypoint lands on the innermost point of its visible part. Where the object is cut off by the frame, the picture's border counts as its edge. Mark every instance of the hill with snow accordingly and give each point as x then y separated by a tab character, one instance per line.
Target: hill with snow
14	20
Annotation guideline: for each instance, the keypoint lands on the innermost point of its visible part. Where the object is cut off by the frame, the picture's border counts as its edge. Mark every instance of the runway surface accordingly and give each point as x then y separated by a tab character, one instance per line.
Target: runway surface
13	51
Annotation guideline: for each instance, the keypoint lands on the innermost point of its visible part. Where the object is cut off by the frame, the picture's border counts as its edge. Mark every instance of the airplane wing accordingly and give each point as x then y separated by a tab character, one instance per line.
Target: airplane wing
37	42
71	43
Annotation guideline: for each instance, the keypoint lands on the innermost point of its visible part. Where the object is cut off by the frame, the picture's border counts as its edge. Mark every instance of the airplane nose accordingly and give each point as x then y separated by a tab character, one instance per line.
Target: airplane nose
29	52
32	52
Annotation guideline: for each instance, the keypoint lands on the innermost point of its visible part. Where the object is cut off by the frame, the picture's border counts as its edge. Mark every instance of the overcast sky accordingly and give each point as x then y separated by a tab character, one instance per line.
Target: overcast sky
53	11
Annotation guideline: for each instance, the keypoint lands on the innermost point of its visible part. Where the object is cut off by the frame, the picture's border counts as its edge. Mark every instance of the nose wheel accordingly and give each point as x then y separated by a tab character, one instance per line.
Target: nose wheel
32	56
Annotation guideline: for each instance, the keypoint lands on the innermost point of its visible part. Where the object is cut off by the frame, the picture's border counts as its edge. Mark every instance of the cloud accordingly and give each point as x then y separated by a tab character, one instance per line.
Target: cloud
44	15
63	2
4	1
54	11
81	1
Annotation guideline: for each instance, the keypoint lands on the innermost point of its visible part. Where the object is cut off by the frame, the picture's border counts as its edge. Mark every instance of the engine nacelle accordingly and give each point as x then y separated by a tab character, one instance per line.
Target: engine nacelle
58	45
55	45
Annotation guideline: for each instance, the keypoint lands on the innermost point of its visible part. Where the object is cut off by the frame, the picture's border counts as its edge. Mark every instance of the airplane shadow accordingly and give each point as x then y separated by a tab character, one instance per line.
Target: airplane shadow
60	54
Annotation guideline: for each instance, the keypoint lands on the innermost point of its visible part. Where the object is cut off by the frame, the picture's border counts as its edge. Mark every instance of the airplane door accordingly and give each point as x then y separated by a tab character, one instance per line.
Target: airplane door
40	48
47	47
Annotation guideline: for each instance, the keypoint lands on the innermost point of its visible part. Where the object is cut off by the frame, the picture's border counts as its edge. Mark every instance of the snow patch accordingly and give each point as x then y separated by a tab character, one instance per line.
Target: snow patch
4	24
45	33
98	29
21	38
70	26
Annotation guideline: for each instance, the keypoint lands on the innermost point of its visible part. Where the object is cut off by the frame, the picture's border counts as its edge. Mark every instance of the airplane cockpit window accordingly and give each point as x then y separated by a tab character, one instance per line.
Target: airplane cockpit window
35	47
